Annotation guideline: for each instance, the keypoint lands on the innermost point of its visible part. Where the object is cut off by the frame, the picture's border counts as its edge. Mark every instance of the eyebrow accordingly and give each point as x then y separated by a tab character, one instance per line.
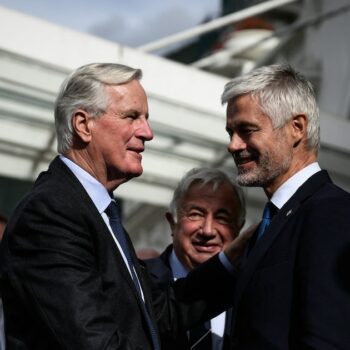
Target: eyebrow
223	210
194	206
199	208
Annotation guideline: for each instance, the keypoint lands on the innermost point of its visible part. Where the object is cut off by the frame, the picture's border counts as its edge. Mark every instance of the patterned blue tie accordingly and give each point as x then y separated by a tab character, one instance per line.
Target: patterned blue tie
269	210
114	219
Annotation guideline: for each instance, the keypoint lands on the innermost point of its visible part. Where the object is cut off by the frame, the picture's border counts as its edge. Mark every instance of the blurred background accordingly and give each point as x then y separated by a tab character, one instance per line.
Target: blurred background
188	50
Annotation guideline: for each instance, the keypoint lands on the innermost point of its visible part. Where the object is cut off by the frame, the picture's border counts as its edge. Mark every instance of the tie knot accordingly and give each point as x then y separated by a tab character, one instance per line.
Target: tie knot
113	211
269	211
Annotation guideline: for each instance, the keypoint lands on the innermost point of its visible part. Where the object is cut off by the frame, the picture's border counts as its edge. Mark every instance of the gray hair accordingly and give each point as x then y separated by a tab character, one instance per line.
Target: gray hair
85	89
282	93
204	176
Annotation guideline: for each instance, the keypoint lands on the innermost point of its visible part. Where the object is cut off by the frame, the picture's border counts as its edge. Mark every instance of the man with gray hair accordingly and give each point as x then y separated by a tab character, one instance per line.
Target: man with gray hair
293	290
70	278
205	214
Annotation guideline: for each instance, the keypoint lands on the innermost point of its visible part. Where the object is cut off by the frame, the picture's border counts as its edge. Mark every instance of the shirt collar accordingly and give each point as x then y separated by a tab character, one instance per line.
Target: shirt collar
96	191
177	268
288	188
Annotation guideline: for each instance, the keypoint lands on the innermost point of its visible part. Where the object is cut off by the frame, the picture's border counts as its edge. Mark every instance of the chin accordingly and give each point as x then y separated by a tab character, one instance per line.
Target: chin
124	175
247	178
134	171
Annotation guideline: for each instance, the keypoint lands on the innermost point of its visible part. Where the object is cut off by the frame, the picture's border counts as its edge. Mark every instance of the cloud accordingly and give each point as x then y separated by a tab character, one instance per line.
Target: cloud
130	22
134	30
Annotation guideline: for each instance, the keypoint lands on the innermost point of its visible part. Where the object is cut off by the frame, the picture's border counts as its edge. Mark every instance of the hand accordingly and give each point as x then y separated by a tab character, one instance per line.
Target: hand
235	249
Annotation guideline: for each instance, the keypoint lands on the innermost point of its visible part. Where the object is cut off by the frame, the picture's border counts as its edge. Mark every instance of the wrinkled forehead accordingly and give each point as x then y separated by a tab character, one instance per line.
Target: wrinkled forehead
128	96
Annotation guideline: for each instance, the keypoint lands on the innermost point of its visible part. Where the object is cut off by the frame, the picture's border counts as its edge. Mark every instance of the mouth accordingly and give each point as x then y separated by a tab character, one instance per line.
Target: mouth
136	151
244	161
206	247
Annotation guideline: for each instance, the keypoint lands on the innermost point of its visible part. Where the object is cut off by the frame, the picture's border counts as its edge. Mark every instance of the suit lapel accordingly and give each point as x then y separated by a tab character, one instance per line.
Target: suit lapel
261	247
60	170
63	174
284	215
159	268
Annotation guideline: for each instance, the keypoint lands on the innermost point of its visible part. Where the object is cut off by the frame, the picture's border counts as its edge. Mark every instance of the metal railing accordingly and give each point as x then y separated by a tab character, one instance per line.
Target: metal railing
214	24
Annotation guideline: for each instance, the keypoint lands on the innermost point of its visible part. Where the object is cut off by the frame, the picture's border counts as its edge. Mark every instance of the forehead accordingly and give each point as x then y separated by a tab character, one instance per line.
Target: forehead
245	109
242	103
205	195
129	95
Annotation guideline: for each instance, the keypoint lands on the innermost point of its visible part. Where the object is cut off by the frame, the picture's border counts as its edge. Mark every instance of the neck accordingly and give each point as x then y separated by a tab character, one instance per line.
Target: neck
296	166
95	168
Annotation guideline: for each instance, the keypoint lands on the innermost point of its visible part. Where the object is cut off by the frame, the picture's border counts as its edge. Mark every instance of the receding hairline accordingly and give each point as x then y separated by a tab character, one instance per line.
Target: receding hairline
107	73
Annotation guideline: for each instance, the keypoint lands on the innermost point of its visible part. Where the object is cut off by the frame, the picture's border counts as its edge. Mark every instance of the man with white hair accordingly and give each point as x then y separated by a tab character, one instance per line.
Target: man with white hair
293	290
70	278
205	214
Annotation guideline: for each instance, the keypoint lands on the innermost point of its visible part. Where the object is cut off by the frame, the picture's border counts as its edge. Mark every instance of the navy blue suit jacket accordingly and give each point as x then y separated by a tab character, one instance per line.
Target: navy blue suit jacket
161	274
293	291
65	286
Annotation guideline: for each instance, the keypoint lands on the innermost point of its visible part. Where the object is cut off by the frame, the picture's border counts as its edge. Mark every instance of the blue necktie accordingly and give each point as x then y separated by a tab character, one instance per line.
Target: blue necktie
114	219
265	221
268	213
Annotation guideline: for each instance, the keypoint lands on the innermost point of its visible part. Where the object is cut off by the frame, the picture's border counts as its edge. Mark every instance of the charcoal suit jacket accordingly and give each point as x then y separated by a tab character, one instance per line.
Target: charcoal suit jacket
293	291
65	286
160	271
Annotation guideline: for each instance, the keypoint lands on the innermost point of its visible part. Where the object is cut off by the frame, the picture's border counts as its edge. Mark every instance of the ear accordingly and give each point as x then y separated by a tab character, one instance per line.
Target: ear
81	123
298	130
171	221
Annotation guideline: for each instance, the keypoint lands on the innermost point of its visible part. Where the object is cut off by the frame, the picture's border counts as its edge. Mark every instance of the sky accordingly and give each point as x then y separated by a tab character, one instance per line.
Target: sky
128	22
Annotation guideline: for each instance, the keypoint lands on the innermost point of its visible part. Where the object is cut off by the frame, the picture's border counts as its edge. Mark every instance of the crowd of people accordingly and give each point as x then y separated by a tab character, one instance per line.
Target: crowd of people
70	277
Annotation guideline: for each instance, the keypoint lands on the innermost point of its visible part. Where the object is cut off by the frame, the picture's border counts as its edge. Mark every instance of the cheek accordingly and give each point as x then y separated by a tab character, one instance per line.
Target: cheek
114	153
189	228
278	153
184	232
117	147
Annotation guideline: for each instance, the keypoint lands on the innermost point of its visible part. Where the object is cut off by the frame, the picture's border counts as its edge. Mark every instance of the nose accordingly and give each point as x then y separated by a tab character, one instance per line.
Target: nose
144	131
208	226
236	144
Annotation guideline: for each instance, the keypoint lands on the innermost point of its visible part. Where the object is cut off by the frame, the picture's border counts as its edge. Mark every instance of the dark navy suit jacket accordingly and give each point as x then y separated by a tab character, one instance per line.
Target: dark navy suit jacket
293	291
65	286
161	274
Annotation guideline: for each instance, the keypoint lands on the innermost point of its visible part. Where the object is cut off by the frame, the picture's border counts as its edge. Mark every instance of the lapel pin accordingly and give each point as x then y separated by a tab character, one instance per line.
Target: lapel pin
289	212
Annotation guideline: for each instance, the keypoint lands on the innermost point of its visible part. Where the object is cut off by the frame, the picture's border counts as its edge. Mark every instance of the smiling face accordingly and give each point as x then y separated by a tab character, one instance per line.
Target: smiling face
263	155
207	221
116	138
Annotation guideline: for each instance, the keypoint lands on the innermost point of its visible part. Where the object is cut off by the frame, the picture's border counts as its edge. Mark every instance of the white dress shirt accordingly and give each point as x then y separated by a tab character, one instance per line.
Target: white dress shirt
288	188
